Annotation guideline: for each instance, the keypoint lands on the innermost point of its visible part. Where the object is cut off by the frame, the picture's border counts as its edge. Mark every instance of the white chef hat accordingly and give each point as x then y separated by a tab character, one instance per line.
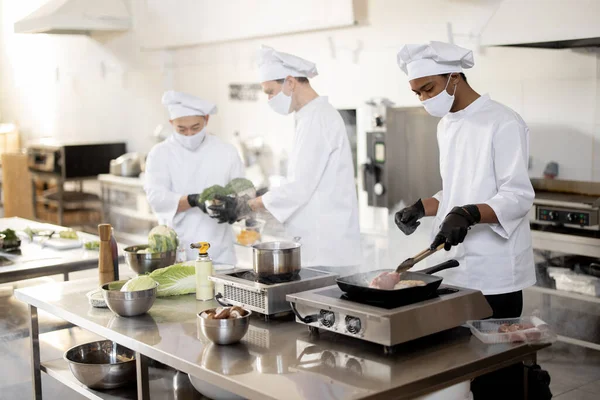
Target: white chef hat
182	104
433	58
273	65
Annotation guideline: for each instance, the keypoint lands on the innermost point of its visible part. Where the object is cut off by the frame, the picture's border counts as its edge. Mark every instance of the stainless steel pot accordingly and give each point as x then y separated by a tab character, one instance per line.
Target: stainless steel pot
276	258
128	164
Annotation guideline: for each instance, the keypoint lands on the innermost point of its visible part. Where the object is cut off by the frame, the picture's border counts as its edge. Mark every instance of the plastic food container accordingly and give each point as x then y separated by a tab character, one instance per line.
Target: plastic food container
488	331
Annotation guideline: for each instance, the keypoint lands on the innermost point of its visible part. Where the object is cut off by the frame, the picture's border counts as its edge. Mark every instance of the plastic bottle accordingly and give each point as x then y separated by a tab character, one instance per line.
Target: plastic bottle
205	288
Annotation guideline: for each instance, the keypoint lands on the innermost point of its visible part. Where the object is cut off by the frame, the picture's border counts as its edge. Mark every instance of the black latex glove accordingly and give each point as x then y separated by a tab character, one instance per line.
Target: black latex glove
194	201
231	209
408	218
455	226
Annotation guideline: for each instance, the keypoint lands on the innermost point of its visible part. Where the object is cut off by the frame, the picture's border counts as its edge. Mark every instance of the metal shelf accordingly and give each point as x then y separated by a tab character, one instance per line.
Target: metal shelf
546	292
59	370
161	381
561	293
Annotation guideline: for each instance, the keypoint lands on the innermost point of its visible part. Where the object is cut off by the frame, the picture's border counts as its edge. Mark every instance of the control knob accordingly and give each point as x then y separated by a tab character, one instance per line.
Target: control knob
553	215
353	324
571	217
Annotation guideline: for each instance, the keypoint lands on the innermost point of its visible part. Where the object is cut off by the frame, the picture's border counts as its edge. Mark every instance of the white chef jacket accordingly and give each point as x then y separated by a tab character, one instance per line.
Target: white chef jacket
318	200
484	153
173	171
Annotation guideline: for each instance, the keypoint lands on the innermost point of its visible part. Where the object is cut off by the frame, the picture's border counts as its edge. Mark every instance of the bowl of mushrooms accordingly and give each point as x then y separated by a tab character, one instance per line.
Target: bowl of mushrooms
224	325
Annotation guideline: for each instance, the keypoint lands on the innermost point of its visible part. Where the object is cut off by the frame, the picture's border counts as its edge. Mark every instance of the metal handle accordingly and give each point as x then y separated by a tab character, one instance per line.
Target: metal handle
218	298
440	267
309	319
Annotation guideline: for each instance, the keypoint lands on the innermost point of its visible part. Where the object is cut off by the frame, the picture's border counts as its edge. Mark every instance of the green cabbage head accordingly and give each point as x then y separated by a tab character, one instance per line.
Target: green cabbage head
141	282
161	239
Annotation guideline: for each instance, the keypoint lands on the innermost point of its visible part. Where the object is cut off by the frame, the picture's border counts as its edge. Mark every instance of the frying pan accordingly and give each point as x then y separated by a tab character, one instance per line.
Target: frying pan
357	287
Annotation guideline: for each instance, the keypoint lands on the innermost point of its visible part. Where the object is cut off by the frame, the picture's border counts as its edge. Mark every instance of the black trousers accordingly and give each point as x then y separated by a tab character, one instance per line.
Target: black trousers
506	383
507	305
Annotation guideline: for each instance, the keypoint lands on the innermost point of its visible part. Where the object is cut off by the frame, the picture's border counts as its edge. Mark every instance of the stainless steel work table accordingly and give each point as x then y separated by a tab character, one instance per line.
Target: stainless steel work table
276	360
33	261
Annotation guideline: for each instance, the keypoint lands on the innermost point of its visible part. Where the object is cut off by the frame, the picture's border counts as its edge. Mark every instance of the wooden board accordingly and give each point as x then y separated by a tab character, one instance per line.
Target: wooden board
16	185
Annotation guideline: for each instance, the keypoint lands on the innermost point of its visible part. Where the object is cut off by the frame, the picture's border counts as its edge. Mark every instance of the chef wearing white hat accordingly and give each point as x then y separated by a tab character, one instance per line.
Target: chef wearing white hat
186	163
484	152
318	201
480	213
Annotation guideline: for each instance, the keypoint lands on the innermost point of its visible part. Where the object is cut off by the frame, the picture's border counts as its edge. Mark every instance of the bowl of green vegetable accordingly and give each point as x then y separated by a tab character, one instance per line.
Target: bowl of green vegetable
161	251
132	297
142	260
9	240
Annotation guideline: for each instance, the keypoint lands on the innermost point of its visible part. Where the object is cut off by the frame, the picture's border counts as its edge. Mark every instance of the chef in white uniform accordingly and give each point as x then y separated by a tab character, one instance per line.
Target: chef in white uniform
185	164
480	213
318	200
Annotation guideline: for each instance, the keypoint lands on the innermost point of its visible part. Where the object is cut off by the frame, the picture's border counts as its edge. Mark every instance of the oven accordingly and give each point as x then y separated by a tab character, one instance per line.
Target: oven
565	217
73	160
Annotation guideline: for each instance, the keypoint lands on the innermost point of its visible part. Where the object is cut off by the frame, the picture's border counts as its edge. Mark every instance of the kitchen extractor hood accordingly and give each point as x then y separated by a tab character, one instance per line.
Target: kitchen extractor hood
76	17
551	24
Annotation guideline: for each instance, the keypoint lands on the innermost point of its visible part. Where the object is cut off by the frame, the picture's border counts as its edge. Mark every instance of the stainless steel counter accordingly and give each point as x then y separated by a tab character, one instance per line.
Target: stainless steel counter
33	261
278	359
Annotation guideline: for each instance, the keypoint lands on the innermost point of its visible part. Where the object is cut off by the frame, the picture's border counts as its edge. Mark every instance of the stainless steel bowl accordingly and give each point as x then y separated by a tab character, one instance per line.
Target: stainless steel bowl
225	331
128	304
145	263
102	365
211	391
276	258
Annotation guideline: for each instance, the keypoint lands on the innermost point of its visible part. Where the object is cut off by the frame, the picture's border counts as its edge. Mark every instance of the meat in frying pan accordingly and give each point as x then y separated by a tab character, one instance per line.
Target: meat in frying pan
385	281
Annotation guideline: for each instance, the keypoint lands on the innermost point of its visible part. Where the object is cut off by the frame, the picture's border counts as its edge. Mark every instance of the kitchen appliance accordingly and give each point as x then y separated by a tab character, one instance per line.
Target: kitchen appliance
565	217
129	165
266	296
357	286
576	211
565	231
73	160
76	17
402	157
330	309
519	14
276	258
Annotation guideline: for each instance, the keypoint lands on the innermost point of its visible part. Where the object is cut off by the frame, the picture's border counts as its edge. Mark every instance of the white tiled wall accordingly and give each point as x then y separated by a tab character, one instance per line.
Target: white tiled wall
556	91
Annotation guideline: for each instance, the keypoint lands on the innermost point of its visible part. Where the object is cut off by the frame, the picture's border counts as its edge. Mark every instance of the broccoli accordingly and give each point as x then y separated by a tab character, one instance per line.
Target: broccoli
241	186
215	190
10	235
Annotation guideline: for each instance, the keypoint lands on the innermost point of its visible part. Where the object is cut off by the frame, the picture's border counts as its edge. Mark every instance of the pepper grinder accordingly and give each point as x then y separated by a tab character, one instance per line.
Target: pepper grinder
106	268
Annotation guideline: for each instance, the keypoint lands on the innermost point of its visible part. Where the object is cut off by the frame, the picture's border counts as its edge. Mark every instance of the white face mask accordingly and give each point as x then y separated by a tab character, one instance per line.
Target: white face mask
280	103
190	142
440	105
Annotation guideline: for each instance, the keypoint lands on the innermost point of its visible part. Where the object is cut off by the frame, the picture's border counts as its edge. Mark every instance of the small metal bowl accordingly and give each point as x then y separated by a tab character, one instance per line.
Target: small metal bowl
128	304
145	263
102	364
225	331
